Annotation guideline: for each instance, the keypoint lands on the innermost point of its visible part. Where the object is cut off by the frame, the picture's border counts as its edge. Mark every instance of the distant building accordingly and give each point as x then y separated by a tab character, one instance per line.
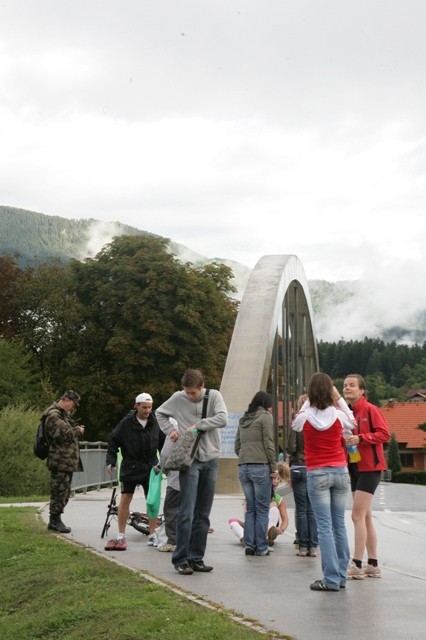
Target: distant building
416	395
404	420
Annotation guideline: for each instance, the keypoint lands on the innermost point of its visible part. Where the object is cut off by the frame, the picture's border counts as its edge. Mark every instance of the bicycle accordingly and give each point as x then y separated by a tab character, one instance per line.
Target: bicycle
137	520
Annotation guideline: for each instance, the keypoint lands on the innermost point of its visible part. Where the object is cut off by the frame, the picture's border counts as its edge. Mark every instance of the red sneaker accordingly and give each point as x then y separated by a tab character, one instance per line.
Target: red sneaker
118	544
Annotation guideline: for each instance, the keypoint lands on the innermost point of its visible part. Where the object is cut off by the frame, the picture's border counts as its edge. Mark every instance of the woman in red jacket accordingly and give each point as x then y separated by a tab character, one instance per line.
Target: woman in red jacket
371	432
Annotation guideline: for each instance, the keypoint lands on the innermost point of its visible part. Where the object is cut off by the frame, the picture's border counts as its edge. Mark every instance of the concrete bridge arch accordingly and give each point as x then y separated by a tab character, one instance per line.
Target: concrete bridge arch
273	348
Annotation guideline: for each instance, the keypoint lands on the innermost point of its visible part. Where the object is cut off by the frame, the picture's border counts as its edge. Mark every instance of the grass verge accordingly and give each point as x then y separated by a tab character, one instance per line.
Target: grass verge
50	589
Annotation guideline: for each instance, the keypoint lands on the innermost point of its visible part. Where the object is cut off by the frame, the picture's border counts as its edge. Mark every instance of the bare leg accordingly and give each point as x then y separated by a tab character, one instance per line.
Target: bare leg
371	536
365	533
153	524
123	511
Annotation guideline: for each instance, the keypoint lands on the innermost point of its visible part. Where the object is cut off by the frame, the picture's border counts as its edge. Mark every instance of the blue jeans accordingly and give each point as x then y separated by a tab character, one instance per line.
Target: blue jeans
306	525
257	485
328	488
197	486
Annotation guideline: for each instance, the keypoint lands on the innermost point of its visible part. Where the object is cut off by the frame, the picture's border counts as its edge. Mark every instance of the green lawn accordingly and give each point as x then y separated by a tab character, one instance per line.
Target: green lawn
50	589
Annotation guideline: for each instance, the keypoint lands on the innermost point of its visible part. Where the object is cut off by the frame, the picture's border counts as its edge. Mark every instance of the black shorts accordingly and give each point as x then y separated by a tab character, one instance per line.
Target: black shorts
129	487
367	481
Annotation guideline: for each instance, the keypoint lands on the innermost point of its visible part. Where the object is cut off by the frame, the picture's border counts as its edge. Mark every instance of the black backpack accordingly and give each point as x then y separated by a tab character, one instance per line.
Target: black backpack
41	443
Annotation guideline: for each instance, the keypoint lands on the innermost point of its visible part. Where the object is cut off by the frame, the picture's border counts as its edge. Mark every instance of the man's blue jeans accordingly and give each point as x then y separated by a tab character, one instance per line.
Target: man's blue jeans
257	486
328	488
306	525
197	487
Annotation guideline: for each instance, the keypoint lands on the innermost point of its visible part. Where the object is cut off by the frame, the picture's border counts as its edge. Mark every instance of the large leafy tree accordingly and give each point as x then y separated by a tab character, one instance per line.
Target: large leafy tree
147	317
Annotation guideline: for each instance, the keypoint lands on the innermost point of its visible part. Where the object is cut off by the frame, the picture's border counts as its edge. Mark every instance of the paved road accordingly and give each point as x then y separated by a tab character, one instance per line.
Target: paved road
275	590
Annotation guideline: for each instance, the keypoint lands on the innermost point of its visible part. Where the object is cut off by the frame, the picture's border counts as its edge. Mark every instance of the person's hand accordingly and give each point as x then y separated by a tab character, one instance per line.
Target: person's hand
335	394
110	469
81	428
352	440
174	435
157	468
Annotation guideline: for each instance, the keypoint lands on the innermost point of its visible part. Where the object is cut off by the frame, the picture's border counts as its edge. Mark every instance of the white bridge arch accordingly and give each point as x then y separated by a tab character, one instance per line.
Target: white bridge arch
273	348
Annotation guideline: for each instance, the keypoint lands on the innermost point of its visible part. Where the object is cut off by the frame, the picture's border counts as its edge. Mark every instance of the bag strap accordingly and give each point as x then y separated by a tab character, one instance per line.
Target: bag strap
205	401
203	415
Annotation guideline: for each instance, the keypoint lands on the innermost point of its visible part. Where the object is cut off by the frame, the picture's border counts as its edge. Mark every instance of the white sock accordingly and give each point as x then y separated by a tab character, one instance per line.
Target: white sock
237	529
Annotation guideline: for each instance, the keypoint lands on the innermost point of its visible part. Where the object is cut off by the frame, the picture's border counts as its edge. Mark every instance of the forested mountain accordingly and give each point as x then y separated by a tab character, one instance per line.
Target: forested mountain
336	304
38	236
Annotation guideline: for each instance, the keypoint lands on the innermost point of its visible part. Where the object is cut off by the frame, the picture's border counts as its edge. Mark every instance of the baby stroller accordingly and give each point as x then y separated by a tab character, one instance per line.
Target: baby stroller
138	521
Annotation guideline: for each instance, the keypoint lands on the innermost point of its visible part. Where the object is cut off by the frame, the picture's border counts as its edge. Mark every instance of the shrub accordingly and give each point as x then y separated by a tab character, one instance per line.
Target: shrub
21	473
410	477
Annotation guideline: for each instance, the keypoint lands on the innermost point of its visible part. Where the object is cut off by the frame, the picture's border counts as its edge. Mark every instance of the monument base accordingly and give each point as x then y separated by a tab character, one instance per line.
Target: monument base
227	476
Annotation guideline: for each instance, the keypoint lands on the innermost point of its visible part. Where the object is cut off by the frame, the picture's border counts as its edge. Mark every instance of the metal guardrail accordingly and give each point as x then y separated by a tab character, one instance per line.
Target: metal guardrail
94	474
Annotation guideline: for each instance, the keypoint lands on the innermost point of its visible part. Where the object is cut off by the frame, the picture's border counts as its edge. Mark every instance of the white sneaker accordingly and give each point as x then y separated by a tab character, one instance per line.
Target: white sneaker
354	572
167	547
152	540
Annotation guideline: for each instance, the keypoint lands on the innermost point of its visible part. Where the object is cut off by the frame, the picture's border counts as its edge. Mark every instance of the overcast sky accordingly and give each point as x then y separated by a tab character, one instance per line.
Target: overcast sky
239	128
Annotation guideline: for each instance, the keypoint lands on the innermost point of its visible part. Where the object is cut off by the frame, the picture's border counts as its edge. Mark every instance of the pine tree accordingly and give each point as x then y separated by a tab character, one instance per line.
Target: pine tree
394	459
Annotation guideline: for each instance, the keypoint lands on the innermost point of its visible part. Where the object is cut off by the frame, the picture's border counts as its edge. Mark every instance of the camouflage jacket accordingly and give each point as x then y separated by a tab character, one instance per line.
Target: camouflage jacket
62	433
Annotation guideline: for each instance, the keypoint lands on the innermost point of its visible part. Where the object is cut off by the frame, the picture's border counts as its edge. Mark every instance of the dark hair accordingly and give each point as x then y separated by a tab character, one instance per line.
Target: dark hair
192	378
260	399
320	391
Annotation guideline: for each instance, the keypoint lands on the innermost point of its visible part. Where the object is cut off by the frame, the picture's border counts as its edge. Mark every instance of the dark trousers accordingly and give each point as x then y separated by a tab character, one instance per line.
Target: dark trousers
170	509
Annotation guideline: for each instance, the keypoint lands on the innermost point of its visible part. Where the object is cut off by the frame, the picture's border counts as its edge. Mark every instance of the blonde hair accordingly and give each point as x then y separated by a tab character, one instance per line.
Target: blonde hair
300	400
284	472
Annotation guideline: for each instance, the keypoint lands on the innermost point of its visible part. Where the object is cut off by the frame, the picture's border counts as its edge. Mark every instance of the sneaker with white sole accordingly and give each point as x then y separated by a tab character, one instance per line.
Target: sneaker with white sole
118	544
152	540
372	572
354	572
166	547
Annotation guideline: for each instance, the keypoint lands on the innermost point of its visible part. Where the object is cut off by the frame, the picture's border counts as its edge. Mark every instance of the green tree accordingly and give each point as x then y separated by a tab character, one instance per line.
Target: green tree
20	381
146	317
393	457
11	277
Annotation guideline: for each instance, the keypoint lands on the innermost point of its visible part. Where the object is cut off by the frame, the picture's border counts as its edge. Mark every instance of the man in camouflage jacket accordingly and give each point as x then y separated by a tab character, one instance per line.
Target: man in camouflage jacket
64	455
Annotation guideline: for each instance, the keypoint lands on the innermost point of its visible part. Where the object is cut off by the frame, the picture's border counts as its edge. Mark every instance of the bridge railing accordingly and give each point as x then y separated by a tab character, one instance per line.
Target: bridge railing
94	474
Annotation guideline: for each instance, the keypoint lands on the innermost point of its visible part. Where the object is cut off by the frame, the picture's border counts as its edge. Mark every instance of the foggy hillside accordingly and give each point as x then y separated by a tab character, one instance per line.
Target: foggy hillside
388	305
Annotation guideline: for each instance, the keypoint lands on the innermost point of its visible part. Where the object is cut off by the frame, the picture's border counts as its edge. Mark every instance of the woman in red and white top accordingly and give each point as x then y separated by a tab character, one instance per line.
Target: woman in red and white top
326	422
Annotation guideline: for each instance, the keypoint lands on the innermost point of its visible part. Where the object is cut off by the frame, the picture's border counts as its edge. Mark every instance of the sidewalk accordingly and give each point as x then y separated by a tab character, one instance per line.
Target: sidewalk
272	590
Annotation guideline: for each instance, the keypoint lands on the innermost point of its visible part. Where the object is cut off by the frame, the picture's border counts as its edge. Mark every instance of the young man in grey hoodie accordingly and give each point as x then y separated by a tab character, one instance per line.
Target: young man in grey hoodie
197	484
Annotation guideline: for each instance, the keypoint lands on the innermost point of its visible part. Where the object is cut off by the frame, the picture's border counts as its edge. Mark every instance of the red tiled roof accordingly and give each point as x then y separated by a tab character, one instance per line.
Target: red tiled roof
403	419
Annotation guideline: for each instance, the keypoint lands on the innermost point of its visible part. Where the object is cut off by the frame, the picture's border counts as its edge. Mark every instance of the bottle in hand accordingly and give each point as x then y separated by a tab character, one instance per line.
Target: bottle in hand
354	455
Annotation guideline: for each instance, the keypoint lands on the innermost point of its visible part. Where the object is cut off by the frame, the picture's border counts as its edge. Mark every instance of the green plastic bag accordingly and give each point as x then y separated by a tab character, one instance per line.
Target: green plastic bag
153	498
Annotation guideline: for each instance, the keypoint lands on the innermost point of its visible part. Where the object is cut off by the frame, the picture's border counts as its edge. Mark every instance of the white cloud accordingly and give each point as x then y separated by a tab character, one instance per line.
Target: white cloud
238	129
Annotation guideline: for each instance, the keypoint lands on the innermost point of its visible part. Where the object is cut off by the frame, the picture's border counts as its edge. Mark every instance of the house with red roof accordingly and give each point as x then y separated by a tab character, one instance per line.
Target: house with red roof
404	420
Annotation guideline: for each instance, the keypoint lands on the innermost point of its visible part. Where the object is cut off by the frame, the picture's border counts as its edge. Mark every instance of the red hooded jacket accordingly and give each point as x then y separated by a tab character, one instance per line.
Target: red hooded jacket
374	431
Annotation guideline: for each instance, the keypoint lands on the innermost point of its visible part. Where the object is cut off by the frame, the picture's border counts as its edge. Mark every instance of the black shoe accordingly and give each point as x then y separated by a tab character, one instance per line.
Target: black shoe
249	551
318	585
56	524
198	565
184	569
